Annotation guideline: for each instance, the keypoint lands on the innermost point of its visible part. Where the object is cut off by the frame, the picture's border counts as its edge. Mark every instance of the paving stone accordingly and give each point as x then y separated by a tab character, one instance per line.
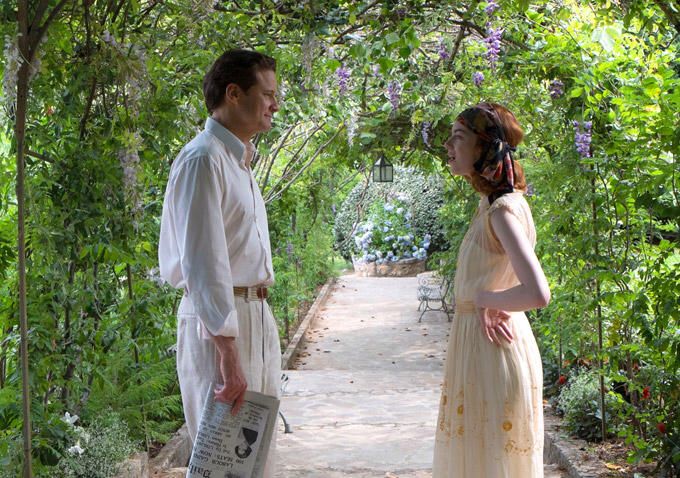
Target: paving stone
364	405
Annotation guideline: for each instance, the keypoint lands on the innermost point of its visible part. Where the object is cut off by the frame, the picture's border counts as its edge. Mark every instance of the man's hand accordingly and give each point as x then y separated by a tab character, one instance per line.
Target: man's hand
495	323
235	385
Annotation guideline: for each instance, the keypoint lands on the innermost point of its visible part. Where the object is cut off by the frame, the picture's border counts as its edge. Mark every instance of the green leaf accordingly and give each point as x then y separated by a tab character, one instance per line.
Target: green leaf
358	51
392	38
333	64
576	92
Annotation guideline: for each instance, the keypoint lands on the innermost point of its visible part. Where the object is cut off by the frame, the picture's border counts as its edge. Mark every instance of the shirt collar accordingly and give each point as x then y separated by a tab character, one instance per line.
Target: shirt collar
243	152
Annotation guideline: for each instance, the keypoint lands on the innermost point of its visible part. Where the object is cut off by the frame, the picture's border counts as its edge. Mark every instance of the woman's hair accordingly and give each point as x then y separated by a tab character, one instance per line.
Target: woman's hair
513	136
234	66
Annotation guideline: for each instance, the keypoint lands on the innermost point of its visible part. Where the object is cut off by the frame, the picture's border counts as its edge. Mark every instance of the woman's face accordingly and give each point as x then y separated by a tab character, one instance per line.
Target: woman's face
462	150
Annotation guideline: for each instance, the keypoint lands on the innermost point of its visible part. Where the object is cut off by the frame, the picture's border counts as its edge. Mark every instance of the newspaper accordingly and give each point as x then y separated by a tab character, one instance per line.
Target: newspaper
229	446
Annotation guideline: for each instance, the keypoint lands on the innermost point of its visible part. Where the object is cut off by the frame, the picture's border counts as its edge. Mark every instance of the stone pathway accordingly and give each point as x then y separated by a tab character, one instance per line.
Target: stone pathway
362	401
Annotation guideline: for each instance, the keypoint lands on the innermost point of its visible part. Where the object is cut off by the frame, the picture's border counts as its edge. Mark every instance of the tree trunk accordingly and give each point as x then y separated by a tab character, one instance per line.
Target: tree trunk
19	134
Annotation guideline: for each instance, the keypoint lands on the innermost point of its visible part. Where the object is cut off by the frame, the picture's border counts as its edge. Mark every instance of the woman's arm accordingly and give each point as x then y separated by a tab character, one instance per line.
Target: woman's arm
533	291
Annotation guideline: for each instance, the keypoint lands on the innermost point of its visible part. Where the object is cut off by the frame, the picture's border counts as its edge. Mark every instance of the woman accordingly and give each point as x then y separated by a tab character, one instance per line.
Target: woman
491	414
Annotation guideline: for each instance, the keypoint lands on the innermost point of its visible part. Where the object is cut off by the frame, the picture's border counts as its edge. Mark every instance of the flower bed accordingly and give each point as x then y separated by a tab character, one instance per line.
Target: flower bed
385	244
400	268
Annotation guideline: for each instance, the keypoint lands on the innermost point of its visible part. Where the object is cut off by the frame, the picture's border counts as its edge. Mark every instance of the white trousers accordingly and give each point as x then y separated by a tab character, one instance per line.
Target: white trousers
197	360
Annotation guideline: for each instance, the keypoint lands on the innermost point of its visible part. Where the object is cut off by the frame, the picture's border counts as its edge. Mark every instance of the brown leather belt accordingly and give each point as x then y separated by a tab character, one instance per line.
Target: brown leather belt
251	293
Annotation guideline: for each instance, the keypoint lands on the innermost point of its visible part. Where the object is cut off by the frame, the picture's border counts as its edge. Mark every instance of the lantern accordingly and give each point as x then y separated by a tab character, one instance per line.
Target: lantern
382	171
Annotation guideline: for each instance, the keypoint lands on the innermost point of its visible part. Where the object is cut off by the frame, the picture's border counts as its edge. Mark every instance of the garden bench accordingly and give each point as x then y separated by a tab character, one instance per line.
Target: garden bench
433	289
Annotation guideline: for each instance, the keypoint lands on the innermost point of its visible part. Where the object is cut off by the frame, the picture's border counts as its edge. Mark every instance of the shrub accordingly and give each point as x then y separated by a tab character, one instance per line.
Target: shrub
421	194
387	234
97	451
579	402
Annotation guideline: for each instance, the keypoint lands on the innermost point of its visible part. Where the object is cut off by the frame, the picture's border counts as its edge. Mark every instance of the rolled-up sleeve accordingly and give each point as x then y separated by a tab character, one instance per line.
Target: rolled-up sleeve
202	245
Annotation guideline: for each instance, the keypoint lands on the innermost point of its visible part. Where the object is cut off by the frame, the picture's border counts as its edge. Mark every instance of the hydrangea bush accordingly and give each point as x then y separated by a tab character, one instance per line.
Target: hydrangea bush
419	194
387	234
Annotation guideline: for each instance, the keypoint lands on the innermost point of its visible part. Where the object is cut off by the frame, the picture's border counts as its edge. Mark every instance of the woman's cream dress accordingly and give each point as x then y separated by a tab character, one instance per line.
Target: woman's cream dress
490	421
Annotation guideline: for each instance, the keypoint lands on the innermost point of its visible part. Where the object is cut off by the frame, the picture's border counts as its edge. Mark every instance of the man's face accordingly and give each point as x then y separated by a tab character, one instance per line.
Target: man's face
258	105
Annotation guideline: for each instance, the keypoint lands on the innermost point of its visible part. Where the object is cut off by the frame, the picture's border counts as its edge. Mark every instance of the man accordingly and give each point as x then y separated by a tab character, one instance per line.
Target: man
214	244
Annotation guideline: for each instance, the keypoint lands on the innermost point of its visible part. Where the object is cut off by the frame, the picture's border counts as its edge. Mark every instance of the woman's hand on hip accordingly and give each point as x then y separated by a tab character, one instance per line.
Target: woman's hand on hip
495	324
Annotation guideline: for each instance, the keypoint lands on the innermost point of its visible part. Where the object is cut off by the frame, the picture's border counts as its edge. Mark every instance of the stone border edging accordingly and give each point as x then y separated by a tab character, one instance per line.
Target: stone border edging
566	451
299	338
136	466
176	452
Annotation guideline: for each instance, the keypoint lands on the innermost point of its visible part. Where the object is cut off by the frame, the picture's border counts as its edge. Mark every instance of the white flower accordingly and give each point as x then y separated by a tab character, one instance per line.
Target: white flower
70	419
154	275
76	449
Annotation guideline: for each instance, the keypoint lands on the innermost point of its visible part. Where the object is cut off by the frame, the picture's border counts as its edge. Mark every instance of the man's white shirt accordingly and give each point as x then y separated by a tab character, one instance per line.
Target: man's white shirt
214	232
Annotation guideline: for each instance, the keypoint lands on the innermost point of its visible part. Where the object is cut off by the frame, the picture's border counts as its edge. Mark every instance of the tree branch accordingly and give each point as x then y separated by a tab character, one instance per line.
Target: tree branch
88	107
318	151
273	157
39	156
35	40
674	20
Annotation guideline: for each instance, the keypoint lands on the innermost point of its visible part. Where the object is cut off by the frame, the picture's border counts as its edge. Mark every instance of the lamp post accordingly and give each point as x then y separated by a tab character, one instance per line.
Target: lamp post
383	171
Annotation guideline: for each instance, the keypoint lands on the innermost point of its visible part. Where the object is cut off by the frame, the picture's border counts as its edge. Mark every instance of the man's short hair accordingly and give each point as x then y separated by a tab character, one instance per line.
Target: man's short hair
234	66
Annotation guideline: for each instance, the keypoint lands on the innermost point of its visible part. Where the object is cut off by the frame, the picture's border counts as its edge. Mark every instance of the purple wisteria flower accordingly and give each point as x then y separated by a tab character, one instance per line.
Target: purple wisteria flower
425	132
583	137
493	45
478	78
394	94
343	75
556	89
443	51
491	7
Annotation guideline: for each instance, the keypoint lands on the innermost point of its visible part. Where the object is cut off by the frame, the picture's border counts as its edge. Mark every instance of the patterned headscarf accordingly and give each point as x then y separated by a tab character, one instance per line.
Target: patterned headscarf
495	162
